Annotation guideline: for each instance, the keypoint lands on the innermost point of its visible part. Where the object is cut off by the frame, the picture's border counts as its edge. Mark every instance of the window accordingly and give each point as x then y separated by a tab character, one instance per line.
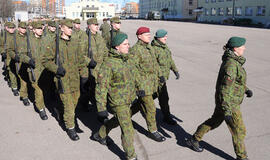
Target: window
229	11
221	0
261	11
190	12
206	1
238	11
248	11
206	12
213	11
213	1
190	2
220	11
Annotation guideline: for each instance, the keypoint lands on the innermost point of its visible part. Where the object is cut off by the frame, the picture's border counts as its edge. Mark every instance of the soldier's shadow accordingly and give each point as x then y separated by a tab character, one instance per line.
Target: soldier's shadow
181	136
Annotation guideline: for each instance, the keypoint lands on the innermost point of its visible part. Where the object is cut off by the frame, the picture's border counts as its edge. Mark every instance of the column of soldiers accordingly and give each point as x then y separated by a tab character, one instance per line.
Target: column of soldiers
86	66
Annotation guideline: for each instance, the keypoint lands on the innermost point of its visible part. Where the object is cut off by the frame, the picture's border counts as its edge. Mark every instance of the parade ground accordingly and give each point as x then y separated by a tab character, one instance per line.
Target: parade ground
197	51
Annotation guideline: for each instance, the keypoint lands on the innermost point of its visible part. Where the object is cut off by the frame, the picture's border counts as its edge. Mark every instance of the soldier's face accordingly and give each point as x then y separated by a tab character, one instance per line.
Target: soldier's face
38	31
116	26
66	30
240	50
11	30
22	30
123	47
77	26
94	28
145	37
163	39
52	28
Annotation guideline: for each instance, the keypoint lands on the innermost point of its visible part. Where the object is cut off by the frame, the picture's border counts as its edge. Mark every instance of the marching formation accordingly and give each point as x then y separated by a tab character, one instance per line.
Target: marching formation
61	62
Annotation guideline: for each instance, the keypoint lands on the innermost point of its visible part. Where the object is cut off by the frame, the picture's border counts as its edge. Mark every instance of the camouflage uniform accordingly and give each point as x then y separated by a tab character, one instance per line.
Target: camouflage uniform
119	78
73	62
105	29
166	63
107	35
230	90
145	61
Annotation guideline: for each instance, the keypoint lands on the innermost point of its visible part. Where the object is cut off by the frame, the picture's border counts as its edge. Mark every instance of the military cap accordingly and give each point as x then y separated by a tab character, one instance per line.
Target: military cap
236	42
77	21
10	25
92	21
115	20
118	39
37	25
161	33
67	22
22	25
51	23
142	30
105	19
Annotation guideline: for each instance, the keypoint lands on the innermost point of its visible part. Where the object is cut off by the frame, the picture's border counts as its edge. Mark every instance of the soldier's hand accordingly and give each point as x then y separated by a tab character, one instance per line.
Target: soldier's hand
140	93
60	72
249	93
92	64
177	75
162	79
83	85
102	116
32	63
17	58
4	56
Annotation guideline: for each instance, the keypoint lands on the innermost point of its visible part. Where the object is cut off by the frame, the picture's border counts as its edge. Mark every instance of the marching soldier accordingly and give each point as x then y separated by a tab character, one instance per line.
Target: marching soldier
77	32
36	45
68	67
230	91
51	30
166	63
105	28
145	60
115	29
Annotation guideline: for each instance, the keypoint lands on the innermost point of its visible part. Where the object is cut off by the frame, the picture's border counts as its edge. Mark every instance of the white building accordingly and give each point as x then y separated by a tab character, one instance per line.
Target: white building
85	9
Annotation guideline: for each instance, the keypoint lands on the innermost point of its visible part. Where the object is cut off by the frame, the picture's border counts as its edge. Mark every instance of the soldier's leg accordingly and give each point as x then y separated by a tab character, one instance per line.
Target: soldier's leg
238	131
163	99
13	81
210	124
24	92
149	109
39	101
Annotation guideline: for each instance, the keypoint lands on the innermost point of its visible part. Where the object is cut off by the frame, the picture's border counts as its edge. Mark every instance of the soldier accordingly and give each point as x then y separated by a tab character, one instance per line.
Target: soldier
166	63
77	32
71	66
115	29
119	78
230	90
145	60
12	58
44	27
37	48
51	29
21	42
105	27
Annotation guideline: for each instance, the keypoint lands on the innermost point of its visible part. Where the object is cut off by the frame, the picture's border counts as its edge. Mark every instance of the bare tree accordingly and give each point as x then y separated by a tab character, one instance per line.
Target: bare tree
6	8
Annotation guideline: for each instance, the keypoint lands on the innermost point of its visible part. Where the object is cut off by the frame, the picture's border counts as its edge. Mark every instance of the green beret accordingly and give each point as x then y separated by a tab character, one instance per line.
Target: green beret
51	23
161	33
77	21
118	39
67	22
236	42
37	25
92	21
22	25
115	20
10	25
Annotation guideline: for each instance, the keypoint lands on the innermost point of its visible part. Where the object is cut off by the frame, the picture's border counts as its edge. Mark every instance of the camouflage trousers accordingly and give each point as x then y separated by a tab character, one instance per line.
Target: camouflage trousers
70	101
23	88
13	75
39	100
122	117
237	129
163	99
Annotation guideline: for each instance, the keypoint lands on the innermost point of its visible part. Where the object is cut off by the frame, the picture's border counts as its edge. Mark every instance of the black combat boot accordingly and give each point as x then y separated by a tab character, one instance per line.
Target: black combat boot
72	134
194	145
97	137
25	101
169	120
241	159
15	91
43	114
156	136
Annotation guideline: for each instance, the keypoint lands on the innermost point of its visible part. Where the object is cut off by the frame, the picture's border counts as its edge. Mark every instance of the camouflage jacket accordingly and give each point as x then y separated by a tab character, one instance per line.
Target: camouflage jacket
72	60
10	50
37	47
119	79
99	51
105	29
164	58
79	34
146	63
50	35
107	37
231	82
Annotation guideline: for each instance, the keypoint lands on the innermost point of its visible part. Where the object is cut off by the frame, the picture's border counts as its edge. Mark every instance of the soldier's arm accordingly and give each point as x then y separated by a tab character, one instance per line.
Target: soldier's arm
48	59
10	47
104	48
230	73
83	62
103	81
22	52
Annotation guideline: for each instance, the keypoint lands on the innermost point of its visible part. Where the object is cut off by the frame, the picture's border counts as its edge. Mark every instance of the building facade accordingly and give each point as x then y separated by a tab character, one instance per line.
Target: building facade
219	11
131	9
85	9
53	7
169	9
